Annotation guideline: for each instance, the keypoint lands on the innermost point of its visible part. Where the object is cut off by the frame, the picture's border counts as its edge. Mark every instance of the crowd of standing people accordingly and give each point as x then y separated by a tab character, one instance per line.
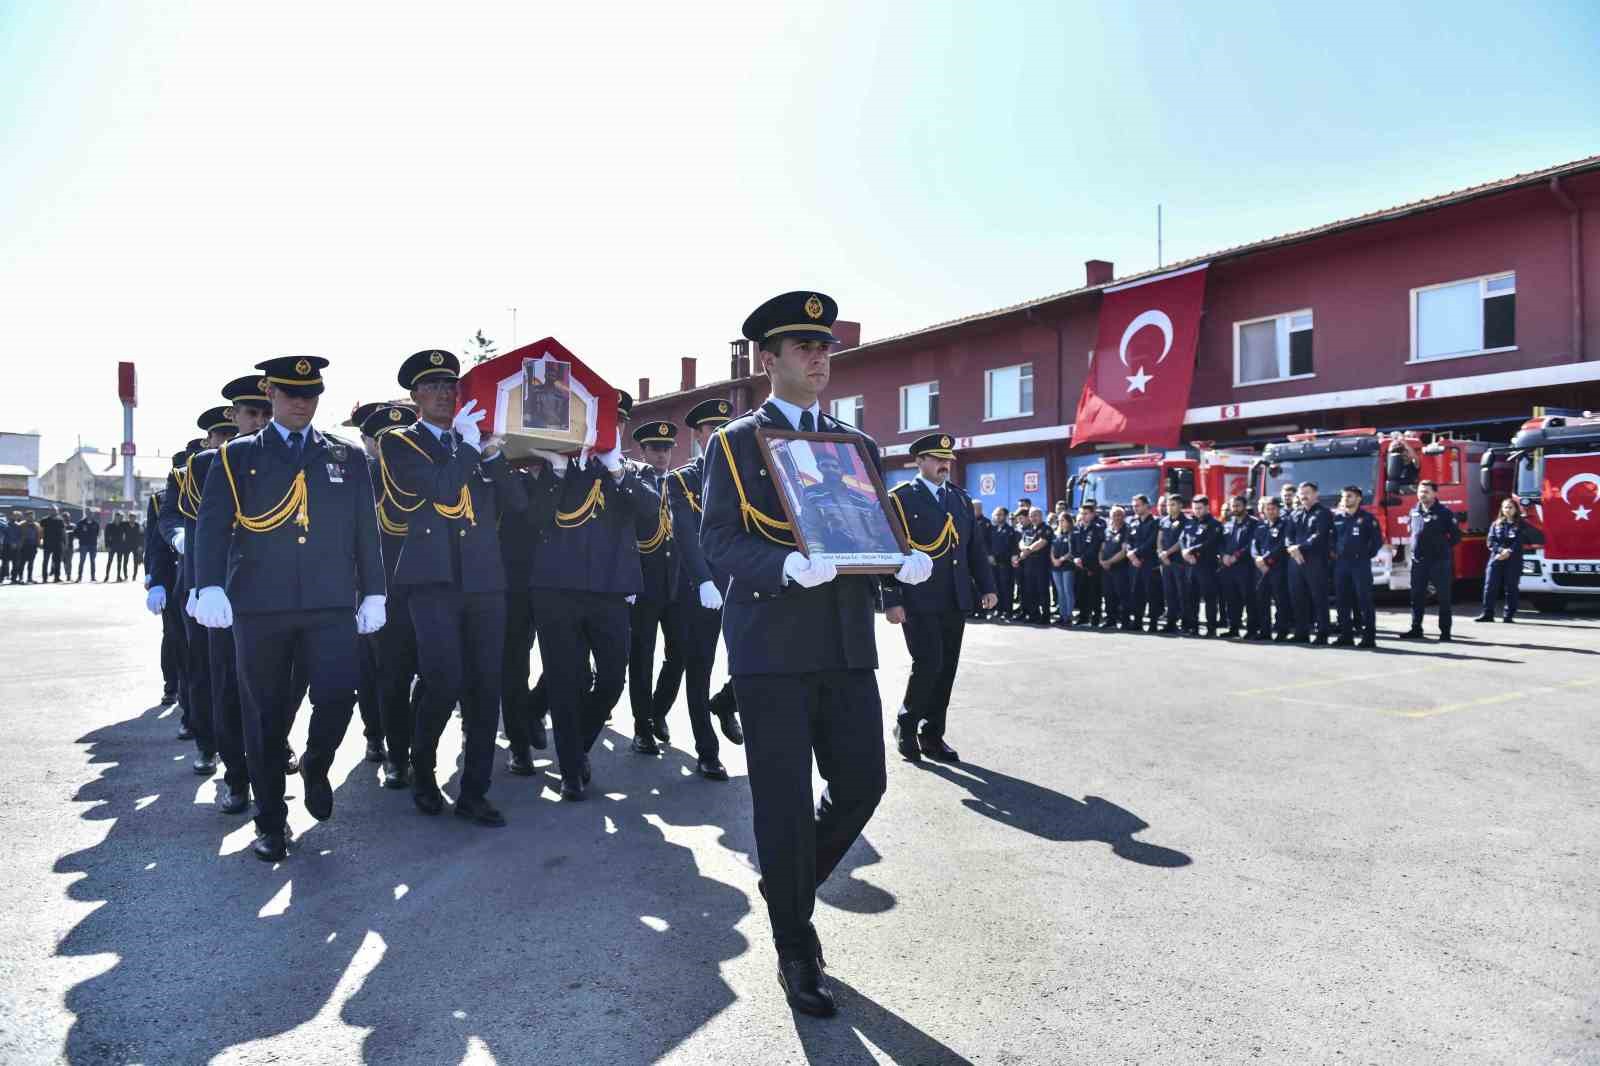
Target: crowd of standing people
44	543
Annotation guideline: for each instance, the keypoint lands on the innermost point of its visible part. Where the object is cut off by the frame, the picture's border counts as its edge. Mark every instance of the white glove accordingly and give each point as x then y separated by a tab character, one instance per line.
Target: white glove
156	601
177	541
212	609
612	460
915	570
466	422
710	598
808	573
372	614
188	604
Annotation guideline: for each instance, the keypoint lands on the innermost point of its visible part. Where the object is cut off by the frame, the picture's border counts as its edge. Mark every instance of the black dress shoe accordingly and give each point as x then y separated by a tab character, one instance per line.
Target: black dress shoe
1445	638
1414	633
1484	618
803	987
658	726
426	795
1345	642
233	801
477	809
936	749
1368	642
1508	619
205	763
519	762
537	734
184	732
318	791
711	769
291	761
271	847
905	739
588	772
731	727
645	744
572	791
396	775
1232	634
168	699
375	752
1320	640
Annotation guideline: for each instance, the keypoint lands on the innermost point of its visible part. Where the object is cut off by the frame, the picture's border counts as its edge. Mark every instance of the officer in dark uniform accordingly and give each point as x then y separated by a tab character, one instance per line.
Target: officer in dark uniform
1356	542
937	516
524	729
1174	571
1508	536
659	565
1269	553
1235	574
1310	540
453	486
1116	581
288	532
801	645
1004	540
1434	536
1199	547
368	693
174	635
1086	539
161	581
1145	572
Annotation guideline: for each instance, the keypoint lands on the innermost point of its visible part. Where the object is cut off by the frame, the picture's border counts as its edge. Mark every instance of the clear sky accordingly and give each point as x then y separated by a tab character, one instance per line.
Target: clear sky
196	187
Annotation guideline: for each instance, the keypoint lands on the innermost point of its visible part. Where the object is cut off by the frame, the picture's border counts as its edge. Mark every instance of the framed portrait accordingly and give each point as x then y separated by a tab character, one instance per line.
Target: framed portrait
546	395
835	499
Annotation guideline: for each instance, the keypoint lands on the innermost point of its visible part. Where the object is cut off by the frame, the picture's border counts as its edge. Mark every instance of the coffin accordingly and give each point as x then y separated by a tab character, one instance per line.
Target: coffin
543	397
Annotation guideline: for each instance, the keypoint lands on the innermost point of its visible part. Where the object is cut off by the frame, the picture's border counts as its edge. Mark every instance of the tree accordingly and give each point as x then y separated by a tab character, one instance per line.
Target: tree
481	349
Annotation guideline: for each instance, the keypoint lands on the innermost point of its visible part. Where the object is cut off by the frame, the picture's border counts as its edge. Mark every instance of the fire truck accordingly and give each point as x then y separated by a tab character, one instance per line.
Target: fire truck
1386	467
1555	463
1217	472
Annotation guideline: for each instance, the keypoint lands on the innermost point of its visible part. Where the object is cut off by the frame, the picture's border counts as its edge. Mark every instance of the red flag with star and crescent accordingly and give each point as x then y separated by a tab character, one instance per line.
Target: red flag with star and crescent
1570	506
1138	385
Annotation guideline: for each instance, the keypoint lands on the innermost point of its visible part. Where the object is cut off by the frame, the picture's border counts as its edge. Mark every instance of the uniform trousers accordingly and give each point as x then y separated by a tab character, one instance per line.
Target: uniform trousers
1086	594
460	643
1117	585
515	666
227	716
1005	581
1145	588
787	717
700	632
198	713
1353	579
174	647
1202	581
397	667
648	696
572	625
1440	573
934	640
1035	588
268	645
368	683
1308	587
1502	578
1240	603
1272	593
1174	588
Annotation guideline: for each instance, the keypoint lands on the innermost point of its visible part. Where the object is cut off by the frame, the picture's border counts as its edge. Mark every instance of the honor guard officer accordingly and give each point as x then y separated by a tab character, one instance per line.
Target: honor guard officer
288	532
1269	552
1174	572
1199	547
1355	544
801	647
161	579
1310	543
1434	536
647	615
177	595
368	701
453	486
524	729
1235	574
937	517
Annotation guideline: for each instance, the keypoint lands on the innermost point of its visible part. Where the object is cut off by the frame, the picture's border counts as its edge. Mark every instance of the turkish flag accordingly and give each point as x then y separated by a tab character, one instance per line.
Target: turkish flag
1570	506
497	387
1138	385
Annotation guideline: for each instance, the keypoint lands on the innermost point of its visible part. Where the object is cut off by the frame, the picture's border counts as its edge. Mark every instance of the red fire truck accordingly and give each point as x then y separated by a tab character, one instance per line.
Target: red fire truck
1116	479
1556	464
1387	467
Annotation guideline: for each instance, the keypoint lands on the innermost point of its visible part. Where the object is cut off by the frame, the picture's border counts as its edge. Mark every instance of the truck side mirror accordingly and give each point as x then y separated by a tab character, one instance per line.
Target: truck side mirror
1174	482
1485	465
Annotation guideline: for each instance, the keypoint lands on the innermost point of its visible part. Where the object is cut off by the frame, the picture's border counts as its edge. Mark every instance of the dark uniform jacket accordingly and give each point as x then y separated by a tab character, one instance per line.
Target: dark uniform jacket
983	533
332	561
1086	539
1142	537
452	500
1003	543
1312	532
684	490
1170	534
951	539
1238	537
770	627
660	561
1116	540
181	510
1271	541
1202	536
1513	536
1358	538
160	561
1434	533
587	524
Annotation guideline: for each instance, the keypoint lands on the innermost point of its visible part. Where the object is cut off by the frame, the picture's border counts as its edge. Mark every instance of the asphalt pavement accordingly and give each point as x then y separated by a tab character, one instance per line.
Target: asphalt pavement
1154	850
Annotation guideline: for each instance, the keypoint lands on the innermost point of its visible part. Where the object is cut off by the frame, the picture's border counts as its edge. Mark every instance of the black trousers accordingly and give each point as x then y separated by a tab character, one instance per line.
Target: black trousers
1308	587
1202	582
1005	583
1353	579
368	683
227	716
835	714
1117	584
515	666
1276	608
22	565
123	557
1145	583
934	640
1239	594
1174	593
1086	593
700	631
93	556
197	709
397	667
52	564
460	642
572	625
1441	574
174	646
647	696
268	645
1502	576
1035	590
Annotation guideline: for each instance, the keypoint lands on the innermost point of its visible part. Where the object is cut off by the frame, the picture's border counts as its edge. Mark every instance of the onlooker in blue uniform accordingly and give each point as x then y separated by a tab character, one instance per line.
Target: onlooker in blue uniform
1144	574
1174	571
1235	575
1434	536
1357	540
1269	552
1509	535
1087	537
1310	545
1199	546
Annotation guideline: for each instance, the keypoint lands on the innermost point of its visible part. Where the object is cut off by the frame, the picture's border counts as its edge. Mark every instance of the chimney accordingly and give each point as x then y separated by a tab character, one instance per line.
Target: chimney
688	373
849	334
1098	272
739	360
644	390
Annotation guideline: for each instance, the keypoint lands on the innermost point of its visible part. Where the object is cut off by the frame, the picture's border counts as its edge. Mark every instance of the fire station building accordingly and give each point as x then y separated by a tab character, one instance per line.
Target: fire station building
1461	312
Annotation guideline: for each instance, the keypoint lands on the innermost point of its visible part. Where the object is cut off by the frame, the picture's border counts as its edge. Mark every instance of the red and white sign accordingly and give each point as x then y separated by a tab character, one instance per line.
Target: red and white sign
1230	411
1138	384
1571	505
1420	392
128	448
127	385
1030	481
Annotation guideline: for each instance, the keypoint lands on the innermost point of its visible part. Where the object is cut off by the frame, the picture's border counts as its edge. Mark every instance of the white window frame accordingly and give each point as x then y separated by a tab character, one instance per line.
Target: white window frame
1289	317
988	391
858	402
933	388
1483	294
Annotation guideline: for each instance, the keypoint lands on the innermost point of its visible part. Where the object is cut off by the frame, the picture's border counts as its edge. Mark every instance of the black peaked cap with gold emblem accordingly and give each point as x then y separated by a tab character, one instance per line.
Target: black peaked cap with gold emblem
180	457
938	445
428	365
804	315
297	375
359	413
215	419
708	413
250	390
656	433
195	446
385	417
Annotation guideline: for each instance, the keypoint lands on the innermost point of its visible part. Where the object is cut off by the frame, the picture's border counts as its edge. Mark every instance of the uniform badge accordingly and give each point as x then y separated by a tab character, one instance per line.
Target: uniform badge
944	442
394	414
436	358
302	367
338	452
723	407
336	473
814	307
262	385
663	429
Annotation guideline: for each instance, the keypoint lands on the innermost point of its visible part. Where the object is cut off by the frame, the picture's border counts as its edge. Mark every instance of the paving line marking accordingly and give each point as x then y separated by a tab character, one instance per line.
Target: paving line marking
1489	701
1336	679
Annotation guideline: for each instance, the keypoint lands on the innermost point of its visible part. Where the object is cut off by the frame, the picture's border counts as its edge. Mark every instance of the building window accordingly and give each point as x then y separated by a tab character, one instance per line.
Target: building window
919	406
1272	349
851	410
1008	392
1464	317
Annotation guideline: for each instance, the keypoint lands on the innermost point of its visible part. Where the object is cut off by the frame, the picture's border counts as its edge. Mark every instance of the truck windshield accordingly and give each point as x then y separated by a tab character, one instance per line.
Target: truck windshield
1528	476
1331	473
1119	486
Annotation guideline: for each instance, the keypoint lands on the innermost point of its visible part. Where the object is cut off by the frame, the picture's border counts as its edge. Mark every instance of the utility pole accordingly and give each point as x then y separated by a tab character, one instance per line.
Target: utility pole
513	311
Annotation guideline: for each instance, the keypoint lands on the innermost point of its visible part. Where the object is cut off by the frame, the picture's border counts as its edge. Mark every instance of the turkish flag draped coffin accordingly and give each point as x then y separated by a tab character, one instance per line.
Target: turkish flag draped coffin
1570	502
1143	363
543	397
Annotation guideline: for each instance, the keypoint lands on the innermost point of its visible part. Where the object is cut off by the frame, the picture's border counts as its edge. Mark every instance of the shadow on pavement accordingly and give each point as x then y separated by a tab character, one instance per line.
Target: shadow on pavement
1053	816
843	1041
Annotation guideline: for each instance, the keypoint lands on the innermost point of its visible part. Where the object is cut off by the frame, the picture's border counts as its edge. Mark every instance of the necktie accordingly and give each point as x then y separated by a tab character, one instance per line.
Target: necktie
448	440
939	495
294	446
807	423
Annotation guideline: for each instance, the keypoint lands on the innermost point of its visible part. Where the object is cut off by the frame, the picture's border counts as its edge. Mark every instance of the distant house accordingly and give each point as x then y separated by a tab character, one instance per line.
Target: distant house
92	479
